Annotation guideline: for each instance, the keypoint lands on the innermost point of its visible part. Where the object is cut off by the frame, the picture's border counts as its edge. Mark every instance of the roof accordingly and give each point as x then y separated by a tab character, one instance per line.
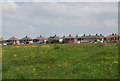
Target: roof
54	37
13	38
113	36
26	38
40	37
1	39
92	36
69	37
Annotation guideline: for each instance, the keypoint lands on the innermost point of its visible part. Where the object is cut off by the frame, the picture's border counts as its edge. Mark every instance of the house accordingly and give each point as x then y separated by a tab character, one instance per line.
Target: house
26	40
2	41
77	39
112	37
92	38
69	38
39	40
55	39
12	40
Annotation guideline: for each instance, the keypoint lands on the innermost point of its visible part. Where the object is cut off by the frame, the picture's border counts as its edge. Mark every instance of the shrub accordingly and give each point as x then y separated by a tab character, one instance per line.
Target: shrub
53	41
116	41
65	40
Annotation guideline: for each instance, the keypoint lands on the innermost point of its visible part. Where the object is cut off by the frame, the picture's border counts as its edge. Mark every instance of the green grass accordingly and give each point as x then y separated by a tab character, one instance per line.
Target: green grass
61	61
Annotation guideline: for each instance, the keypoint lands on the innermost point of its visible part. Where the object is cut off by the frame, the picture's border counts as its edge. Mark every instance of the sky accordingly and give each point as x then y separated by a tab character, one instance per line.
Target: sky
35	18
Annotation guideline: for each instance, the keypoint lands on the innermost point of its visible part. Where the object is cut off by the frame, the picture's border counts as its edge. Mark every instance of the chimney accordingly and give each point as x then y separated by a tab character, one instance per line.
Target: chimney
63	35
112	33
76	35
69	35
100	34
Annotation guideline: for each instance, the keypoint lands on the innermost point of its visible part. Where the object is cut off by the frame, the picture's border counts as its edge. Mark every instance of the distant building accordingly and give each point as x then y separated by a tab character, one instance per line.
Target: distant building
55	37
98	38
92	38
12	40
2	41
69	38
77	38
39	40
112	37
26	40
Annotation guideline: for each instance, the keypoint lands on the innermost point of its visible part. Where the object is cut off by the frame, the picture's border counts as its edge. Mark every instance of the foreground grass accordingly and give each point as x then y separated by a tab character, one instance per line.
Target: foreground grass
63	61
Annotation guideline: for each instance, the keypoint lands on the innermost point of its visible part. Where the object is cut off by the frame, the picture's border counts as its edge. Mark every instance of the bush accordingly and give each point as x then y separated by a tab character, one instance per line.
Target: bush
65	40
116	41
53	41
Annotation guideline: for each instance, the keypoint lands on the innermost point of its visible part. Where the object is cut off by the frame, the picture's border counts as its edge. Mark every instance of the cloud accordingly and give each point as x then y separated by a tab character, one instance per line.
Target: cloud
21	19
9	5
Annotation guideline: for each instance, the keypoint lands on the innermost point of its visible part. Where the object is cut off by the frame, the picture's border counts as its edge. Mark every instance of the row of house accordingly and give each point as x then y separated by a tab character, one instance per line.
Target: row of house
66	39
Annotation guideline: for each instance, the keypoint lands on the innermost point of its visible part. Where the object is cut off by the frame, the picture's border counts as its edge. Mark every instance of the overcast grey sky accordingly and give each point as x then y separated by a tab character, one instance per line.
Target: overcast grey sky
62	18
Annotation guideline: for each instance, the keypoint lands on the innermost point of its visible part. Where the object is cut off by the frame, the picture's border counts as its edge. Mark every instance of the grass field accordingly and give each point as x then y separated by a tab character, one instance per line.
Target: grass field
60	61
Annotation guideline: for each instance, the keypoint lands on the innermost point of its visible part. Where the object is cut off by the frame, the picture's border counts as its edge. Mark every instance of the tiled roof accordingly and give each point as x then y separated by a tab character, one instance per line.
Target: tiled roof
92	36
26	38
13	38
112	36
1	39
40	38
69	37
54	37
